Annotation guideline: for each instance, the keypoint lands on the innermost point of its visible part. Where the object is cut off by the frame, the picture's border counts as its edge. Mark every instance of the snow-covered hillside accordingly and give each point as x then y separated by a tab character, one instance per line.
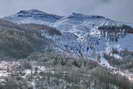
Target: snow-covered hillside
90	39
81	35
33	16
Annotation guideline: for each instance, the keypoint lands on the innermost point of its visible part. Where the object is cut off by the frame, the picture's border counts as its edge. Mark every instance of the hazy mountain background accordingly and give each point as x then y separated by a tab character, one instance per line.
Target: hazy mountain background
120	10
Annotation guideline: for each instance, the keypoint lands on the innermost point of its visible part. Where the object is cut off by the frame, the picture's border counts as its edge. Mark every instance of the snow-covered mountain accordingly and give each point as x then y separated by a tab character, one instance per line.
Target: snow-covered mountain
86	28
33	16
82	35
40	50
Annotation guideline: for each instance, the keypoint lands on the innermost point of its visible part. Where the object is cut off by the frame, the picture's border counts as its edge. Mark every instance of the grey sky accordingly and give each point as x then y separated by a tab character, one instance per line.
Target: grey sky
121	10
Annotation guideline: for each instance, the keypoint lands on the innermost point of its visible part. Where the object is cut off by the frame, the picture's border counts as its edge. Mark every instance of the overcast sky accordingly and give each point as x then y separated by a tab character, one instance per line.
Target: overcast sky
121	10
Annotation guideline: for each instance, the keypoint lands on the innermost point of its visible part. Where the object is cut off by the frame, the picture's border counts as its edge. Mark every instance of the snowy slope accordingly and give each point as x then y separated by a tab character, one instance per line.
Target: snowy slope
33	16
86	29
80	33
